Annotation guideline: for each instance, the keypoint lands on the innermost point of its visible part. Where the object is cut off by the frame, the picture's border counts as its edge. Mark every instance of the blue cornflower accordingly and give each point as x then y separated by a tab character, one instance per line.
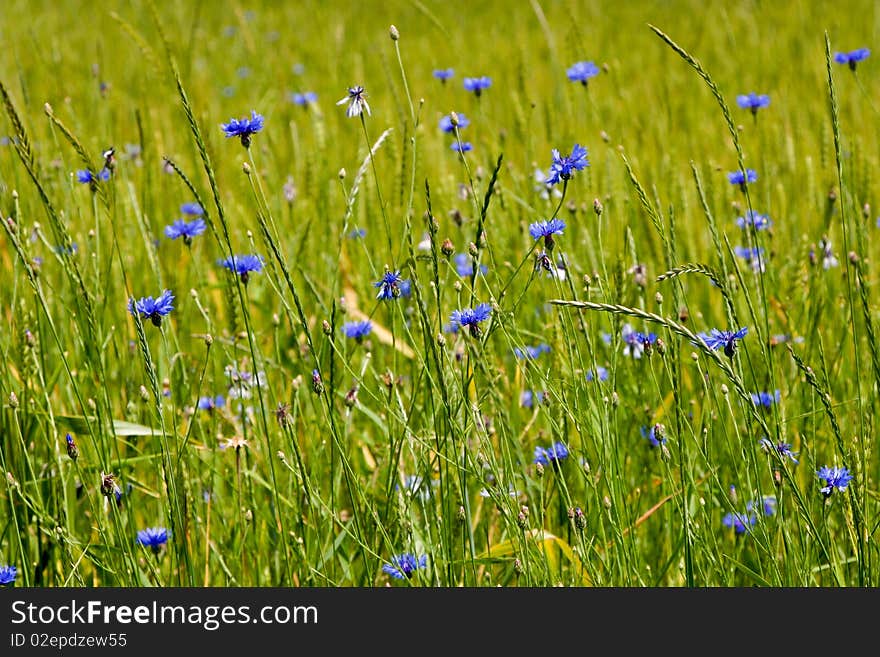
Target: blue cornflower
755	256
243	128
531	353
756	219
72	449
464	265
357	102
601	373
152	309
357	330
192	209
739	521
551	455
242	265
67	250
153	538
391	286
767	505
210	403
462	147
838	478
528	398
403	566
765	399
443	74
185	229
7	575
783	449
563	167
357	233
655	435
477	84
753	101
582	72
85	176
852	57
717	339
406	288
547	229
742	178
446	122
472	317
304	98
635	343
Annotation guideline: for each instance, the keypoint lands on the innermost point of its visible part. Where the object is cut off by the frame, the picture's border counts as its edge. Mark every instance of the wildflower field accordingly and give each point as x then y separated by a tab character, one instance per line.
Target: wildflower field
414	293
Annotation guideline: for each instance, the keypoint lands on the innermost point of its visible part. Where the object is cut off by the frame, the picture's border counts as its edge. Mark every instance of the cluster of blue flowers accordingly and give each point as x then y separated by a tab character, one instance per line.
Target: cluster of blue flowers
392	286
553	455
531	353
743	522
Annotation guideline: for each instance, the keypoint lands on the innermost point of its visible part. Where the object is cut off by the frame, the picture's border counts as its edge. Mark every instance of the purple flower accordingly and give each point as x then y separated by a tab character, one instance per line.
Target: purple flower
243	265
562	167
655	435
783	449
753	101
7	575
528	398
303	99
392	286
635	343
755	256
765	399
185	229
446	123
531	353
443	74
547	229
192	209
477	84
210	403
717	339
357	330
551	455
835	478
582	72
85	176
756	219
243	128
152	309
471	318
357	102
462	147
153	538
740	522
852	57
403	566
464	265
742	178
601	374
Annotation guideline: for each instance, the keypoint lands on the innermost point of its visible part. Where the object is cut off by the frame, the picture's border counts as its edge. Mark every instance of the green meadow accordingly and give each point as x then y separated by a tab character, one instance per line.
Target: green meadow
566	403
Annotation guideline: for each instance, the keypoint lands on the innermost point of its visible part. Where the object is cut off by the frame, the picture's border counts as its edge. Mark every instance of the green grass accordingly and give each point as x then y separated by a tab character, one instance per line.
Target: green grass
313	490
